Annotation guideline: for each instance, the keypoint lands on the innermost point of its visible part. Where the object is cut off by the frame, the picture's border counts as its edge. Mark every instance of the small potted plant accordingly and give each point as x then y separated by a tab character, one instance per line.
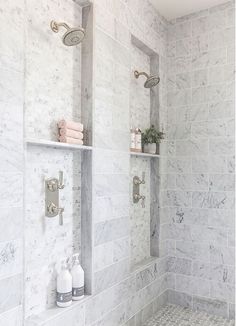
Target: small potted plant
150	139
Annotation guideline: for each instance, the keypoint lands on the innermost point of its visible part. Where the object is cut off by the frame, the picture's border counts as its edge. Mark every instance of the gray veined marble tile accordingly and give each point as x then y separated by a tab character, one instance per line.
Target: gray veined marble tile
214	307
219	200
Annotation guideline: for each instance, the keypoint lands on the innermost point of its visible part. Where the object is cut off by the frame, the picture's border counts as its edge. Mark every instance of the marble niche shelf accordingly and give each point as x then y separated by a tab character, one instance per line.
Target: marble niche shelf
144	154
54	144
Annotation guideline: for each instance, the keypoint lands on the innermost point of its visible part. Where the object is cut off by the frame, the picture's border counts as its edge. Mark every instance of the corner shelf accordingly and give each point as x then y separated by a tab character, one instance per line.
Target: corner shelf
144	154
48	143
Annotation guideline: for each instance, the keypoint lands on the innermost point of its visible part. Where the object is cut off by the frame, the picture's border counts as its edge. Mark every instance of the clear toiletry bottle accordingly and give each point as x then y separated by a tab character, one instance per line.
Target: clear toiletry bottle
138	142
132	139
64	286
77	273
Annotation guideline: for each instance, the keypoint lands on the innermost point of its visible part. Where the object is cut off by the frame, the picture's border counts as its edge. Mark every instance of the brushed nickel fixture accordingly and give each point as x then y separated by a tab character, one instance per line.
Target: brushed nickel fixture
136	190
52	187
151	80
73	36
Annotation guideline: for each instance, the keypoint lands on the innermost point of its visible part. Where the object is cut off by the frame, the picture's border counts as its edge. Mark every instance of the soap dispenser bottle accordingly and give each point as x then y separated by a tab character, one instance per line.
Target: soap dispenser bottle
77	273
64	286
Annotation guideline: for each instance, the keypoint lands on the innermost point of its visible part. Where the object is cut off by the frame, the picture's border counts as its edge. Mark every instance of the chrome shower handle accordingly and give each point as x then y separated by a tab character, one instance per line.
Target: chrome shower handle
60	180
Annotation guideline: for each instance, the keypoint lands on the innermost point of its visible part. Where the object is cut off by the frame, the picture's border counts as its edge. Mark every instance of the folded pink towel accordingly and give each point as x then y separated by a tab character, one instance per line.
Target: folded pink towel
69	140
71	133
71	125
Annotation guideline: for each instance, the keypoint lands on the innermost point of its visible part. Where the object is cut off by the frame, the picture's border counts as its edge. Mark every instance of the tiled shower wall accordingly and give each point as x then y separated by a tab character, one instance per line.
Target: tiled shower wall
139	117
199	195
12	162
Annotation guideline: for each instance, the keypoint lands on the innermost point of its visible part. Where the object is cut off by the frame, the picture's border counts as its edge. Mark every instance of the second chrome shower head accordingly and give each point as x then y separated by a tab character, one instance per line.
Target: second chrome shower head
72	37
151	80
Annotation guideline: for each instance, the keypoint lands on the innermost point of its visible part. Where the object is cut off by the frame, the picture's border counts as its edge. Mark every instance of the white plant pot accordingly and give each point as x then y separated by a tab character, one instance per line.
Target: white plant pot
150	148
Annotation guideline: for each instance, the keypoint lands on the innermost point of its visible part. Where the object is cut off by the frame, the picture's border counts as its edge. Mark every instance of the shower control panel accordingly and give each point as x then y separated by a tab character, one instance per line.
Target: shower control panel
136	190
52	187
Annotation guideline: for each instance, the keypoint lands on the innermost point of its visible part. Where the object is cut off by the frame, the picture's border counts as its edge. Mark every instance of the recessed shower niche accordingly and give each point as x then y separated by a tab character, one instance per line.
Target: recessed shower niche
58	89
144	111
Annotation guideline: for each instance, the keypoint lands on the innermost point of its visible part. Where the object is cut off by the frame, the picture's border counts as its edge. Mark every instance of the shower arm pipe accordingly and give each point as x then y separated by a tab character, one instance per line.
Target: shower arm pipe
55	26
137	74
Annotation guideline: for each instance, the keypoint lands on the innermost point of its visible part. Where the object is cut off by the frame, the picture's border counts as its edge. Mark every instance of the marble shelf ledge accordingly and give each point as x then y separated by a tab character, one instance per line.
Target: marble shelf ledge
54	144
144	154
54	313
143	264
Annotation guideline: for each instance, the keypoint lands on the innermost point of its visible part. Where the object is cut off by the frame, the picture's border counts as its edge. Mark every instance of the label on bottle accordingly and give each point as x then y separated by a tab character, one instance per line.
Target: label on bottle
78	292
64	297
139	142
132	140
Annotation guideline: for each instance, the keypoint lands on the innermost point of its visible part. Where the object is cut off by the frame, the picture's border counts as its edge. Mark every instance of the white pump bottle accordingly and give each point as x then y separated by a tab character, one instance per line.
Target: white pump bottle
64	286
77	273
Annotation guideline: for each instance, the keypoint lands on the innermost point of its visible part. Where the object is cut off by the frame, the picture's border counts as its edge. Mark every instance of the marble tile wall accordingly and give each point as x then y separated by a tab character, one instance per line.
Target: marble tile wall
12	162
139	117
199	169
118	294
53	91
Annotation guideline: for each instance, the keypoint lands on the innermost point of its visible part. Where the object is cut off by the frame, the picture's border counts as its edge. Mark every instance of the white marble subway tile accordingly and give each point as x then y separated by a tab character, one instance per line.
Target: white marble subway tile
100	304
179	131
113	318
12	317
121	249
194	147
199	26
111	275
192	285
183	80
106	185
222	255
11	257
200	43
176	231
213	272
73	317
192	250
176	198
219	219
11	293
217	57
219	200
221	182
199	78
217	20
179	298
214	307
190	216
103	256
183	47
179	265
13	41
231	164
12	230
111	230
209	235
231	238
198	112
179	165
221	146
222	291
199	95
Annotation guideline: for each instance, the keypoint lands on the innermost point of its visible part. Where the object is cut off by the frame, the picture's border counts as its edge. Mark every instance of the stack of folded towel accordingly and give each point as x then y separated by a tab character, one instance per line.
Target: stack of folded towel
70	132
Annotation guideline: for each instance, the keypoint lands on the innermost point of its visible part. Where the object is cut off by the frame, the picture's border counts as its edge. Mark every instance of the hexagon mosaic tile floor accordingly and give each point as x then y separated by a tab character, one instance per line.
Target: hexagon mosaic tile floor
178	316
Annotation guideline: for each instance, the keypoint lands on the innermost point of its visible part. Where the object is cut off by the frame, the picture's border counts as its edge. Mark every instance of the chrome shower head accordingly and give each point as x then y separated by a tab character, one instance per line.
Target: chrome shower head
151	80
73	36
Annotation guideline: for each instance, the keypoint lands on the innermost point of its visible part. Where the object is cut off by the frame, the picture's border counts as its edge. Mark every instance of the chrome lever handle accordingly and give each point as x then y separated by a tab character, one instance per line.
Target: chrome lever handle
61	180
60	212
143	201
143	178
